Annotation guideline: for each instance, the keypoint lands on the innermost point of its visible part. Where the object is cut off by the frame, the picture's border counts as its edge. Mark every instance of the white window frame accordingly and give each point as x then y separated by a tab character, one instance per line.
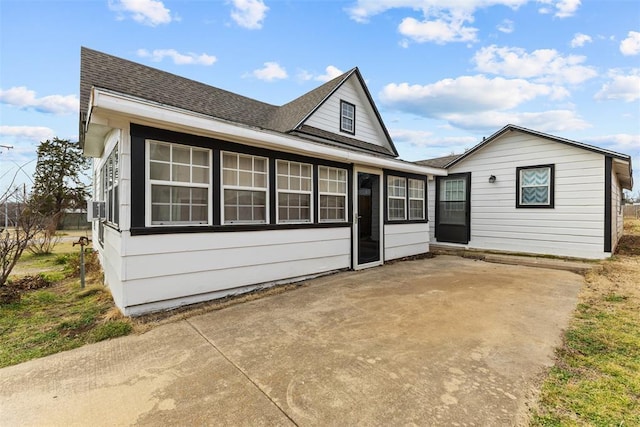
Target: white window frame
172	183
343	195
349	115
110	185
238	187
286	174
393	194
412	197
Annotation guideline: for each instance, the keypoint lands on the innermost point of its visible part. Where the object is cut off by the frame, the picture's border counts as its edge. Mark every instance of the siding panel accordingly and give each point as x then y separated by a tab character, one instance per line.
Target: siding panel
401	240
574	227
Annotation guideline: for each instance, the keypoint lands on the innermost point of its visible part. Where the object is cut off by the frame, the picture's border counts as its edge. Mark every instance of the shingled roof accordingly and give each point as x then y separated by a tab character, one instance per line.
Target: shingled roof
120	75
438	162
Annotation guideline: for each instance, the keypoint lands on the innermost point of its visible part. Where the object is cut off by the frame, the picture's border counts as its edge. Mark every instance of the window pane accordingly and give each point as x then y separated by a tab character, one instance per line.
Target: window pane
260	180
181	155
159	171
181	195
230	161
230	177
246	179
200	175
283	182
160	213
245	163
200	157
535	195
535	177
181	173
199	196
160	194
199	213
260	165
159	151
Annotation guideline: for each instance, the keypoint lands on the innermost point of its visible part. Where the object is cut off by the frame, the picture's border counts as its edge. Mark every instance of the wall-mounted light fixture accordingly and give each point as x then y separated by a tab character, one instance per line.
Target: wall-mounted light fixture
492	179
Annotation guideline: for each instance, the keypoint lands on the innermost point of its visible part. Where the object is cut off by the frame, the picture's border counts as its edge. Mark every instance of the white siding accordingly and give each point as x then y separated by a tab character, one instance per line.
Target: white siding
401	240
327	117
574	227
174	267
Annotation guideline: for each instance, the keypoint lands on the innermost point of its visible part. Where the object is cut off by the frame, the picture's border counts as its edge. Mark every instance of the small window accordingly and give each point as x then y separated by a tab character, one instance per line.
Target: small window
535	186
244	189
332	189
396	195
110	183
295	187
179	184
347	117
416	199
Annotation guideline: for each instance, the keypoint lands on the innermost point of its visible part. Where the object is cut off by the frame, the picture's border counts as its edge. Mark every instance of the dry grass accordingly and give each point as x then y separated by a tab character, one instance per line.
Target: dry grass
61	316
596	378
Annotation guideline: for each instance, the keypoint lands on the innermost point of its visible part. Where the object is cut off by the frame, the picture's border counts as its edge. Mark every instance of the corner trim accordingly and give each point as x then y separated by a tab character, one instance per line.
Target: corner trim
608	163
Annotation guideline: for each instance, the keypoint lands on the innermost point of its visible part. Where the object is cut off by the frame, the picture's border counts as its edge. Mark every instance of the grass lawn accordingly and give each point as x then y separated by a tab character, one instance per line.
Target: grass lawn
596	378
60	316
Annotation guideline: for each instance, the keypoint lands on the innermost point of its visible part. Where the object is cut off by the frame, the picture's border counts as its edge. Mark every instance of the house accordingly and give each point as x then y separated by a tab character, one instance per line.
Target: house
209	193
520	190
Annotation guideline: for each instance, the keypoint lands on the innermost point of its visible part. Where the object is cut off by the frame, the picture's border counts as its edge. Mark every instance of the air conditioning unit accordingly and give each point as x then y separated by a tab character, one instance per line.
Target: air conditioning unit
96	210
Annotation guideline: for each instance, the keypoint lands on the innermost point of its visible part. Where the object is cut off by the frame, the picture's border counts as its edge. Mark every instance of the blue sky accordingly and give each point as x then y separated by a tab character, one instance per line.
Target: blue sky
443	73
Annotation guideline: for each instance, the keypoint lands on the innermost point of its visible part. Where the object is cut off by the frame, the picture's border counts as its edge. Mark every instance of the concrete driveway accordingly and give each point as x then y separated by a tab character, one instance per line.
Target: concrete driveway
443	341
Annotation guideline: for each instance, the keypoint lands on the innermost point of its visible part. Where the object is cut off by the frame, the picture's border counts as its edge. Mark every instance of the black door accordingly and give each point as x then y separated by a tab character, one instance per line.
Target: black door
453	207
368	218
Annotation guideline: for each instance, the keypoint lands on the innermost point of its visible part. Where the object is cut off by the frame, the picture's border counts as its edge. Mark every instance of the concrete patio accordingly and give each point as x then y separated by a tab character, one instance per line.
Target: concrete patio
442	341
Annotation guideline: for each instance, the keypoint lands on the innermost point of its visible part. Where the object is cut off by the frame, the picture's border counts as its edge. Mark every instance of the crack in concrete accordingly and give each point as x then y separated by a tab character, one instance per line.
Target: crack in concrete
212	344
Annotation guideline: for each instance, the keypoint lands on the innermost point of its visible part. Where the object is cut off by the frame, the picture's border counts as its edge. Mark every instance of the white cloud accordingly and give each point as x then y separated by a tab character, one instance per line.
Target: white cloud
580	39
621	86
567	8
147	12
546	65
249	13
420	138
563	8
331	72
466	94
621	142
631	45
24	98
544	121
506	26
440	31
365	9
270	72
178	58
35	133
442	21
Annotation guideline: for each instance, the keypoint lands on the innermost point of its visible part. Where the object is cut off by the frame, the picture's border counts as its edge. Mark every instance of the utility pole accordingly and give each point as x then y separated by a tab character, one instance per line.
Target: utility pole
6	202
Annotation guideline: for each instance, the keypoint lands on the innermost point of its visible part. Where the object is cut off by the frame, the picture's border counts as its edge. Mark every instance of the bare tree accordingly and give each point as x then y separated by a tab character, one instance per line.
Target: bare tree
14	241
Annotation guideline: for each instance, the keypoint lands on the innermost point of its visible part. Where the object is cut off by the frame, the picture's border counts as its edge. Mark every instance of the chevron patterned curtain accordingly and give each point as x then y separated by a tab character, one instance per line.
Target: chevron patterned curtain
535	186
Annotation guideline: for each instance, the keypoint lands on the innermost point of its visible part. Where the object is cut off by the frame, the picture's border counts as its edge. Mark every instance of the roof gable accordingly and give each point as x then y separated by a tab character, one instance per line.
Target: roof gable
370	132
626	177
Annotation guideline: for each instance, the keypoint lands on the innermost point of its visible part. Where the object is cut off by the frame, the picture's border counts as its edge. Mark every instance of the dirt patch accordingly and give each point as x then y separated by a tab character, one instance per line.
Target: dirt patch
629	245
30	283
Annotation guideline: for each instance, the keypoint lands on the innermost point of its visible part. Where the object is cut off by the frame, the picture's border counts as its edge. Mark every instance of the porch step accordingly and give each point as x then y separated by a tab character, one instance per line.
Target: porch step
573	265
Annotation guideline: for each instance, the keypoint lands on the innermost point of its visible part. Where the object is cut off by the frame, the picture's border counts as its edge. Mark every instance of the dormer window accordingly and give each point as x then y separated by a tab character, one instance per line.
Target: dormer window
347	117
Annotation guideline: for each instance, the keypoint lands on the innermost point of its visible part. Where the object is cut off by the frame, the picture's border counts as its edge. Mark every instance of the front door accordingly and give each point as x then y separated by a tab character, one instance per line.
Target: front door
368	218
453	205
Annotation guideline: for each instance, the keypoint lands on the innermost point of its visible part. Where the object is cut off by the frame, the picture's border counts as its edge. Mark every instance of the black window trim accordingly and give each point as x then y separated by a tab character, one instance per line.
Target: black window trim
552	173
139	135
406	176
353	131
